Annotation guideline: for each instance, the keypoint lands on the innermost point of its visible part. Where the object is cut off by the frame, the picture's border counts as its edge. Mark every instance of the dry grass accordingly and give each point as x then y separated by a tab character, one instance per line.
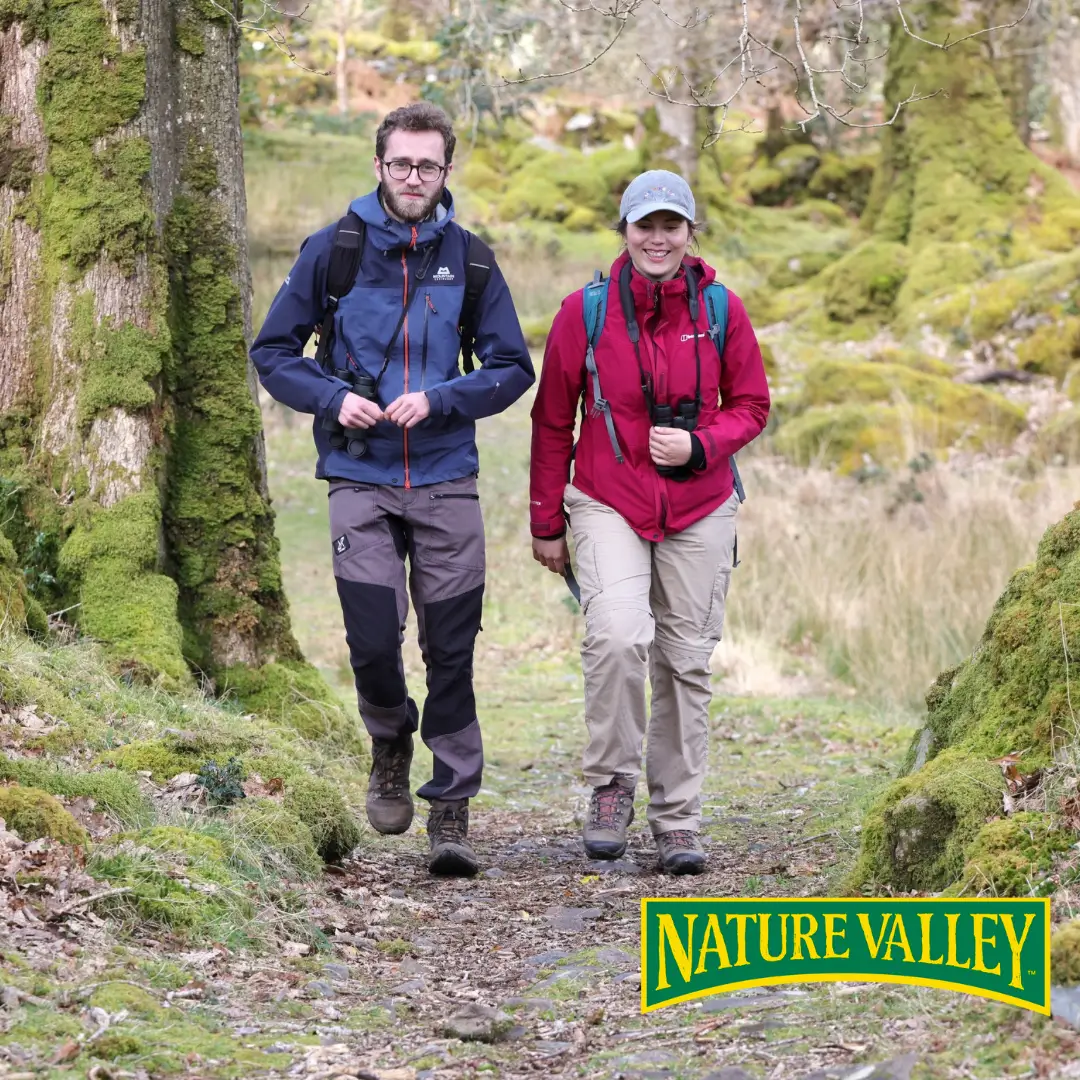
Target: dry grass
883	585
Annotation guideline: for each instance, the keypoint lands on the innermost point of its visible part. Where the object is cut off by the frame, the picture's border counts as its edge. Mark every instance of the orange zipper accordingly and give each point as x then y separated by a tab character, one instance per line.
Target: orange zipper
405	331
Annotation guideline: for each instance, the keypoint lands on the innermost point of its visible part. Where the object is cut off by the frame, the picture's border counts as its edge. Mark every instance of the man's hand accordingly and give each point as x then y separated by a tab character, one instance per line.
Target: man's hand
670	446
554	554
408	410
358	412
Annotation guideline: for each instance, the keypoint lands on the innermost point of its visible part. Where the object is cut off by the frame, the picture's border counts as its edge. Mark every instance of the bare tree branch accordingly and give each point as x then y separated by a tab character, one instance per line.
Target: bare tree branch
275	35
623	23
947	44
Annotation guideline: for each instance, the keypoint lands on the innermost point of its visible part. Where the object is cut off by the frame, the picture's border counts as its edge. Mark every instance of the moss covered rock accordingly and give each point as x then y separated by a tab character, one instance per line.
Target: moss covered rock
918	833
319	805
865	282
281	841
292	694
1065	954
1011	696
20	608
1052	349
844	180
783	178
33	814
1008	857
114	792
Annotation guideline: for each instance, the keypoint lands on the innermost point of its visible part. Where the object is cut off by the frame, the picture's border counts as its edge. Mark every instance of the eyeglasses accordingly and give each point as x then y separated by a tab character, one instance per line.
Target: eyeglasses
428	171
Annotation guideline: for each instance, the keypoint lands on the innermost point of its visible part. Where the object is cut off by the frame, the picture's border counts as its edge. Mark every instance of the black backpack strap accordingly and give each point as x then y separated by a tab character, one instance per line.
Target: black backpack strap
345	254
479	260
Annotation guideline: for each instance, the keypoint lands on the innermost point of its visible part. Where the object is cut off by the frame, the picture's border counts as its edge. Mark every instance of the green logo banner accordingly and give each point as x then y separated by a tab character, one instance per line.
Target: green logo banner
995	948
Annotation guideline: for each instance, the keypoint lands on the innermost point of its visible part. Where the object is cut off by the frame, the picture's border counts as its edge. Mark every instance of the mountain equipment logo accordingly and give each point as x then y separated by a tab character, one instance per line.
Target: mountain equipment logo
443	274
994	948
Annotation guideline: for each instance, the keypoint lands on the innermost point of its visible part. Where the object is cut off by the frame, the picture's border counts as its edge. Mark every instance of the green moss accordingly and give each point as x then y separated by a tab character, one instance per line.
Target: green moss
20	609
785	177
126	603
319	805
31	14
1011	695
957	408
114	792
1059	438
189	37
118	365
173	754
115	997
1010	856
937	268
844	180
848	436
793	269
1052	349
32	814
865	282
534	196
217	514
1065	954
917	834
295	696
282	842
911	358
109	1047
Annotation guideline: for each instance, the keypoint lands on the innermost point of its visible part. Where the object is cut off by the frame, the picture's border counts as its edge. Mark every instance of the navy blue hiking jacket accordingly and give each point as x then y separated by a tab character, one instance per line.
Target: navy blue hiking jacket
425	355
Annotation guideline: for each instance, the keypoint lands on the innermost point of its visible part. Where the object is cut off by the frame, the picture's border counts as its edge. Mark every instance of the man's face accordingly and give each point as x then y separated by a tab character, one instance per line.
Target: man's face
412	199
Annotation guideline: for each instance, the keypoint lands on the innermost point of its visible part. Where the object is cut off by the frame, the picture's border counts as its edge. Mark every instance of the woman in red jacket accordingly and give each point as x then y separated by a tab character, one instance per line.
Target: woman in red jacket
652	510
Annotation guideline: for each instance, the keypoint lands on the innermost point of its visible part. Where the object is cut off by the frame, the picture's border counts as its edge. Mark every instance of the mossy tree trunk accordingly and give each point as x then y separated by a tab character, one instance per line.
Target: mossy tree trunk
131	448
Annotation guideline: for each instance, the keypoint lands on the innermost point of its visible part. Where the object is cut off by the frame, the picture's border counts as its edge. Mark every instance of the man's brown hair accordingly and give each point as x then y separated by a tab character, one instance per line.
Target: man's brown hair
419	116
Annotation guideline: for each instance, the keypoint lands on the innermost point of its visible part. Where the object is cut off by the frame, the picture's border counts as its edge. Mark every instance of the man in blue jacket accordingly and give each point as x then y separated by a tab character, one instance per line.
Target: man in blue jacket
400	458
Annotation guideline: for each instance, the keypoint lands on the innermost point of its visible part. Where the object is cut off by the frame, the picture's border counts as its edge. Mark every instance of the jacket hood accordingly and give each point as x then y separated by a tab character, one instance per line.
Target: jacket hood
389	234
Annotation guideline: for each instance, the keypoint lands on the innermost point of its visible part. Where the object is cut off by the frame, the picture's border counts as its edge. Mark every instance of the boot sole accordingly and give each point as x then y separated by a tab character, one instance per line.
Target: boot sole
686	867
608	854
452	862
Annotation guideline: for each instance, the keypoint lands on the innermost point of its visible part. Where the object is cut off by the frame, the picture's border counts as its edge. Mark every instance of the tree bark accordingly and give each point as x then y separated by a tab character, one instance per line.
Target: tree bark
130	435
341	73
1064	69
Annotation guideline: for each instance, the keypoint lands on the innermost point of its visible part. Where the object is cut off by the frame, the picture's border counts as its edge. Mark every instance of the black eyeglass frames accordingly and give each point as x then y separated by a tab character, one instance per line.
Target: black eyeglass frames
428	171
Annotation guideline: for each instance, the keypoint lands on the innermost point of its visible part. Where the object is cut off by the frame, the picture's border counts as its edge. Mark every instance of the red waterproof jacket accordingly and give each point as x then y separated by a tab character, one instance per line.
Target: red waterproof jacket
734	409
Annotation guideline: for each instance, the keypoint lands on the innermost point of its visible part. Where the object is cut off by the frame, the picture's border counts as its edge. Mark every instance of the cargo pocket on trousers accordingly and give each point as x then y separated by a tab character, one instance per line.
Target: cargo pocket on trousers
713	628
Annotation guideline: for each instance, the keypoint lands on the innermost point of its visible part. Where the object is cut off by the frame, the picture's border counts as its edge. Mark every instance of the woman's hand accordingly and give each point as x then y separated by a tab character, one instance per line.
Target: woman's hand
670	446
554	554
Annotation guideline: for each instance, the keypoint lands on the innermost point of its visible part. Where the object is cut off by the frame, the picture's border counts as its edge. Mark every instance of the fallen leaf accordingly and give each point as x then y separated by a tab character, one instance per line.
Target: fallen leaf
68	1052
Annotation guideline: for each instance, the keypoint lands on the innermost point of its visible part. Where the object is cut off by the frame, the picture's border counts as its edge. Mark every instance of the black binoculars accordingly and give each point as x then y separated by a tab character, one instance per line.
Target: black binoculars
684	416
352	440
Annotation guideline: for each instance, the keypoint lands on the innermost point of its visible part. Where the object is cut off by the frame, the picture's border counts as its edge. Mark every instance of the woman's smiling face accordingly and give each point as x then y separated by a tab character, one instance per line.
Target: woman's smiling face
657	243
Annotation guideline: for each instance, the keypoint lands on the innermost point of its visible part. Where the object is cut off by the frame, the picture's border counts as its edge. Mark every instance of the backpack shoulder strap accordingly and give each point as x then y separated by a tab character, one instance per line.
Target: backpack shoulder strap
346	251
479	259
716	307
594	309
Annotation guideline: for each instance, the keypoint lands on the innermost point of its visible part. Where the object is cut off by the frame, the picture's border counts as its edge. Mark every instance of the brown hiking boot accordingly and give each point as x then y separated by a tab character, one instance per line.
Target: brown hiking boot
448	830
611	809
389	801
680	852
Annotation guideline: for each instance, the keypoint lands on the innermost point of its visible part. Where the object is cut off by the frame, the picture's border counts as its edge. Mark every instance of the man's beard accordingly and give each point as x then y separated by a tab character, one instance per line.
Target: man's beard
411	210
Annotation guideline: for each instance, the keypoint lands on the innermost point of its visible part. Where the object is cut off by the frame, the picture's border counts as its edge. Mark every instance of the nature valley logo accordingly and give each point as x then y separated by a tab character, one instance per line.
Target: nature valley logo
995	948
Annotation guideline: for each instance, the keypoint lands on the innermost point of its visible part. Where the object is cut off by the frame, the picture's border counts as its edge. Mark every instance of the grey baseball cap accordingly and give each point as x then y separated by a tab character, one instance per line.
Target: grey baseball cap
655	190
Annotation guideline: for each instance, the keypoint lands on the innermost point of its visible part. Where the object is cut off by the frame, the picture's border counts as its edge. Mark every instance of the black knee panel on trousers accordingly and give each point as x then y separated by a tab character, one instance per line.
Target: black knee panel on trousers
451	627
373	633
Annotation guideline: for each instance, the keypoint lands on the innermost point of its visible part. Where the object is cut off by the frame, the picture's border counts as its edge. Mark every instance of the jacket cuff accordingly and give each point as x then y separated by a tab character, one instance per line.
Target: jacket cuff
333	406
553	536
697	460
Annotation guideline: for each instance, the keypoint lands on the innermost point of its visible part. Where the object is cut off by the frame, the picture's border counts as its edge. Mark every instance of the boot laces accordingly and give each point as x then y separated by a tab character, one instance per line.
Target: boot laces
391	761
609	805
682	839
449	825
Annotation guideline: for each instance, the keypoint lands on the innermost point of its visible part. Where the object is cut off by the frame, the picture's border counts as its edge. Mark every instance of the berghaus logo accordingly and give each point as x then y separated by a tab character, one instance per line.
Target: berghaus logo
993	948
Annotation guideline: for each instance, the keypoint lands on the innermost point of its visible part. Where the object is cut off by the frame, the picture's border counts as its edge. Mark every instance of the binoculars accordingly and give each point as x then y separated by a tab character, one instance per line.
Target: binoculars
352	440
684	416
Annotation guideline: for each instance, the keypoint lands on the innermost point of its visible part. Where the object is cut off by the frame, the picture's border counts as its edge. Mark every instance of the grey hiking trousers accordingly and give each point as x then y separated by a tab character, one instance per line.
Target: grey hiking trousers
440	530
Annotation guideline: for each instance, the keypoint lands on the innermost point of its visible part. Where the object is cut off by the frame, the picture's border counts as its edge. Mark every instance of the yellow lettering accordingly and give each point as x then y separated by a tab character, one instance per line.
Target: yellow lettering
872	943
803	935
901	941
763	941
977	919
712	928
925	958
831	932
952	961
740	921
666	931
1016	946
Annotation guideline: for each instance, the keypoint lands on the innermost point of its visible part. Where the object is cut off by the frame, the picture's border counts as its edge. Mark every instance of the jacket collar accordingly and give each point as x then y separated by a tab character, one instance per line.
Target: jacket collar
648	293
389	234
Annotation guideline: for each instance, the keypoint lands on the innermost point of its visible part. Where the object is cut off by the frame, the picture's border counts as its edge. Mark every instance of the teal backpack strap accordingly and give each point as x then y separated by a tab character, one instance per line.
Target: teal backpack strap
716	306
595	297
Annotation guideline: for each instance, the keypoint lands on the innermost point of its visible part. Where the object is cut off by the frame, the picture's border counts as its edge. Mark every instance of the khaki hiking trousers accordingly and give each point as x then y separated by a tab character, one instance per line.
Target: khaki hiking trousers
656	609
